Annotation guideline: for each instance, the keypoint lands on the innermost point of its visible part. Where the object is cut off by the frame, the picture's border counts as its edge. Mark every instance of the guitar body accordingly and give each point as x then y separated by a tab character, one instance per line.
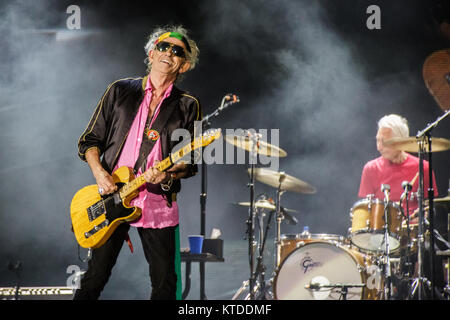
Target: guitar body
95	217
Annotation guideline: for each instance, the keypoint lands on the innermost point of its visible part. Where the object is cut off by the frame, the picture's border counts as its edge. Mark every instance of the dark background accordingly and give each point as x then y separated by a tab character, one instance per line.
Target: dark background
311	69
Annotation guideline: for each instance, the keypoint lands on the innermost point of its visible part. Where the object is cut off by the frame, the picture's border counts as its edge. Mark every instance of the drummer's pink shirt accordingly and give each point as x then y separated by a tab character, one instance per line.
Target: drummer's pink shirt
381	171
155	212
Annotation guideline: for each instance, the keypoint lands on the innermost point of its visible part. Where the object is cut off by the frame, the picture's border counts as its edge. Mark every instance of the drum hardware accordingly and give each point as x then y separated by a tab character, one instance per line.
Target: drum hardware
260	267
387	265
424	139
243	288
262	203
422	143
269	204
251	141
283	182
344	287
407	187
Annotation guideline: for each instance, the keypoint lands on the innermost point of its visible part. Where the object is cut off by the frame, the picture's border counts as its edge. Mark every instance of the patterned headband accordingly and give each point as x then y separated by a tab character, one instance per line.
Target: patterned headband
177	35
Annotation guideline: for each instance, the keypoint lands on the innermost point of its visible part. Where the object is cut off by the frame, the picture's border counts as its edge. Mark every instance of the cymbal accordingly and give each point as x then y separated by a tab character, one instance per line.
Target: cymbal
282	180
444	199
411	144
264	204
263	147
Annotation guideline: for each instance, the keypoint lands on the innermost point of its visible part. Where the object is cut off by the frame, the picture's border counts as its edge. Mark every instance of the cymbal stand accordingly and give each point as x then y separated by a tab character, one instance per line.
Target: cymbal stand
419	281
422	136
386	261
279	219
260	267
407	187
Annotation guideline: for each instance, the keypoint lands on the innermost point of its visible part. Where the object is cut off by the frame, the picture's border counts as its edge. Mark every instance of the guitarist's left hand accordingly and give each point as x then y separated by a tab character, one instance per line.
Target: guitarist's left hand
155	176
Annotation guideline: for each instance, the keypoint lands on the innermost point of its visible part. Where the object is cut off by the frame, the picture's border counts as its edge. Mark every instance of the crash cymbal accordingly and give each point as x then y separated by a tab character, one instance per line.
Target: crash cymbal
282	180
411	144
264	204
263	147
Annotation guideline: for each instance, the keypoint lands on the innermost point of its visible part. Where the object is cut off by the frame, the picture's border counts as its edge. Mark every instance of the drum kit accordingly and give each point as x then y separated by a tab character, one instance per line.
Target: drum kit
359	266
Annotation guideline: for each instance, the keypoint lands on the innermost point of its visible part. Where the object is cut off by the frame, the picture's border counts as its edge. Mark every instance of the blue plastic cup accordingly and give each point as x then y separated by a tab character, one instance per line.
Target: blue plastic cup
196	243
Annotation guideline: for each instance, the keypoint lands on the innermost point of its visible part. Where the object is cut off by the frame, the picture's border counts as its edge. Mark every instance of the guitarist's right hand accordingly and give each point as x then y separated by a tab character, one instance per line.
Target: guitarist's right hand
105	182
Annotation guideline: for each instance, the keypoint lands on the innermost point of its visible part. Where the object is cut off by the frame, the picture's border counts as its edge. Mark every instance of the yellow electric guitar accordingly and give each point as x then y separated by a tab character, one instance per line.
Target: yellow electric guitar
95	217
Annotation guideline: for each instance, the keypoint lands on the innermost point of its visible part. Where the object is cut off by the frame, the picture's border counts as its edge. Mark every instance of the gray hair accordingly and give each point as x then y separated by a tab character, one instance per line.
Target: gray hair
396	123
191	57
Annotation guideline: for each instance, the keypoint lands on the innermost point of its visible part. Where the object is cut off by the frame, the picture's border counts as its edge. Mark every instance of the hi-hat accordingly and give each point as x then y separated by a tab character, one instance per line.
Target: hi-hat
264	204
282	181
412	144
262	147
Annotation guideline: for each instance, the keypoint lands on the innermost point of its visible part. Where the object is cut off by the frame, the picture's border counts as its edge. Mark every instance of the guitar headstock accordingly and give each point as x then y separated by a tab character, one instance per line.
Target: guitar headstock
207	137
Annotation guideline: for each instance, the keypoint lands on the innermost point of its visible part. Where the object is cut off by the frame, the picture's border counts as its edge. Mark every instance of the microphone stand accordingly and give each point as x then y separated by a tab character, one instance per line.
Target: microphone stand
425	136
205	125
251	211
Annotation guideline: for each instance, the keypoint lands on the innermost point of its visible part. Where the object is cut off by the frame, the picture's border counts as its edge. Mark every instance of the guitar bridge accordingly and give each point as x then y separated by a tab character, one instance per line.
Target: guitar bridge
96	210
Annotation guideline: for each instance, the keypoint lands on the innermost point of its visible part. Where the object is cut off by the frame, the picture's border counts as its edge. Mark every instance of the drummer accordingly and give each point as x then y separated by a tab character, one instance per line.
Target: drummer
394	167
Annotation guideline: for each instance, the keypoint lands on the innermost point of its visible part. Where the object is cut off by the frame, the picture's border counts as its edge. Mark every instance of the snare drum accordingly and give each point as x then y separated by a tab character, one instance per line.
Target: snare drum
367	231
290	242
327	263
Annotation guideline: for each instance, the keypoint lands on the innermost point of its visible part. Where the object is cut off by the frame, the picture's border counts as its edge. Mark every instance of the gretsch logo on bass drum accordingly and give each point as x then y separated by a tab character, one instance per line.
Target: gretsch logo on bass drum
307	263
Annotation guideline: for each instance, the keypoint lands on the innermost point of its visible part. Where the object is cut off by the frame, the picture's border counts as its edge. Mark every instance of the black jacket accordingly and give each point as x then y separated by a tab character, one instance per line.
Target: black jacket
112	119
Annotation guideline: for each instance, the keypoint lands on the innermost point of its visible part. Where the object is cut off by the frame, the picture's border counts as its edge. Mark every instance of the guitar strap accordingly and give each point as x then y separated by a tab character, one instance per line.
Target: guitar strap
151	135
149	138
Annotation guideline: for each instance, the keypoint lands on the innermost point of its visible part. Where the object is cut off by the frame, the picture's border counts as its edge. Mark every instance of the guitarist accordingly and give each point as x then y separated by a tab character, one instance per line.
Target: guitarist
132	126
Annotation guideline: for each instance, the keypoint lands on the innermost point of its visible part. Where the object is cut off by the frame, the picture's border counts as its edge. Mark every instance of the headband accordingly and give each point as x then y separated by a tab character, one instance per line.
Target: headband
177	35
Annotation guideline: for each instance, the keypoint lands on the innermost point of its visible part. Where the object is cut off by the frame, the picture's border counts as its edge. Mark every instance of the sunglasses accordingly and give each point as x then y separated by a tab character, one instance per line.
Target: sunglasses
176	50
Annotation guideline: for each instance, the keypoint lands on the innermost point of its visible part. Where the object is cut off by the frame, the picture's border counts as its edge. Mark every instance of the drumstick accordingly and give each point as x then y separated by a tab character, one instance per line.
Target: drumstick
414	179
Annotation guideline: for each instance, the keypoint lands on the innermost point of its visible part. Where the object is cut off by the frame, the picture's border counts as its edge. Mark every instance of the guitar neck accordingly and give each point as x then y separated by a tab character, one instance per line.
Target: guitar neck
132	186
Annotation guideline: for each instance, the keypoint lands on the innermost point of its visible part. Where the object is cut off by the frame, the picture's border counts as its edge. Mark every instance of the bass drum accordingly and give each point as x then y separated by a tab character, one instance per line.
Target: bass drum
327	263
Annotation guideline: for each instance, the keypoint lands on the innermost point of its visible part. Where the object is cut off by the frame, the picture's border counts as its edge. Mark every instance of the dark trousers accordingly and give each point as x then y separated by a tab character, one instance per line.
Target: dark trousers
159	250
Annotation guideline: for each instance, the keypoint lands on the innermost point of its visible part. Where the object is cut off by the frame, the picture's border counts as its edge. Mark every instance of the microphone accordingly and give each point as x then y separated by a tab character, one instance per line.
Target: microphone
231	98
386	188
313	286
291	219
407	187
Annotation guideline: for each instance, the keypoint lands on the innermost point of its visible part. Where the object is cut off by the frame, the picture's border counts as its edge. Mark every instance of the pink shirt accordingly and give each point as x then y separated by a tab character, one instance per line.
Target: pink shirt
381	171
155	212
